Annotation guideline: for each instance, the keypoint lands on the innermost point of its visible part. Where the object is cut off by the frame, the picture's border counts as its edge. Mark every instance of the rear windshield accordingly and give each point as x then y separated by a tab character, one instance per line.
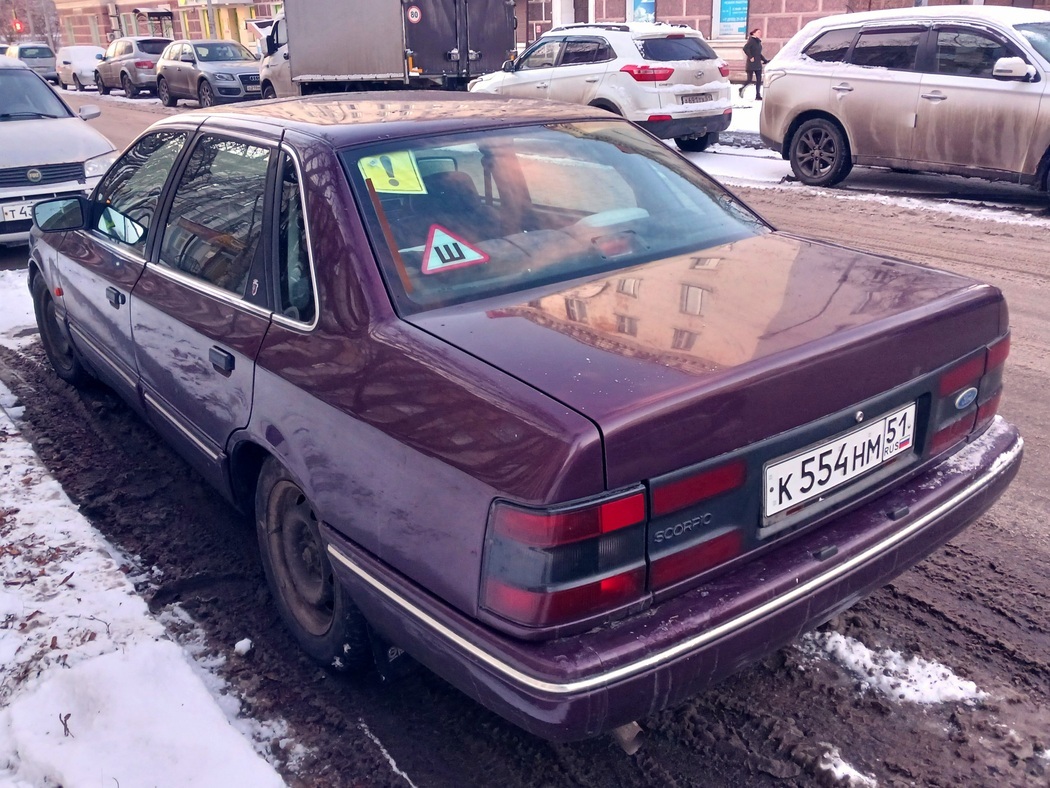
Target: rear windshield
672	48
1038	35
470	216
153	46
24	52
24	96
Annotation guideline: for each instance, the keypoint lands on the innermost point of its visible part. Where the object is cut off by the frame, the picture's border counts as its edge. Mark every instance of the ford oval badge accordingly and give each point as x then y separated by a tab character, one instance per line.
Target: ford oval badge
966	398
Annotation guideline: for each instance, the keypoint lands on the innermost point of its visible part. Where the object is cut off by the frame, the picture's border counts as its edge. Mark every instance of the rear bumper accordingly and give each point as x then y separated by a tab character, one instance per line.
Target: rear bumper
580	686
688	127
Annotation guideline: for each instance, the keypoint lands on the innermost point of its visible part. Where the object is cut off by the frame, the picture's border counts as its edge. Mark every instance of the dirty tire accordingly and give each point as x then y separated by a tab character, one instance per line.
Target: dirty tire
164	92
129	89
60	352
314	606
695	144
62	84
205	94
78	84
268	92
820	154
103	88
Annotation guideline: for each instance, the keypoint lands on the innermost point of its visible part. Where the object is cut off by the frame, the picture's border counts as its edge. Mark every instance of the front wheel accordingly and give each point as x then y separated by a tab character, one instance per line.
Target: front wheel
312	603
164	92
696	144
60	352
62	84
820	155
103	88
205	95
268	92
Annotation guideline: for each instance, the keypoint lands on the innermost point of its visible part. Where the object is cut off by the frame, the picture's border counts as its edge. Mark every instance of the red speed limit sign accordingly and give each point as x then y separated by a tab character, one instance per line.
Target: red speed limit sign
414	14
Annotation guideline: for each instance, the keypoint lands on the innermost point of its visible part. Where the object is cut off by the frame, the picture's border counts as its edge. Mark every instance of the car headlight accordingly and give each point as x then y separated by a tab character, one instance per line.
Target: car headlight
221	77
97	165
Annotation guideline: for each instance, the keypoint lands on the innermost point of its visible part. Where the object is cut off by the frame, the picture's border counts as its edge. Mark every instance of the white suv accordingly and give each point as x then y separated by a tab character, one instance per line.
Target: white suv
663	77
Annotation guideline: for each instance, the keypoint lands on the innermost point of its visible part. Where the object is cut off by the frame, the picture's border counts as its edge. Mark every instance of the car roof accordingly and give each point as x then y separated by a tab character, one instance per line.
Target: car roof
351	118
985	13
634	28
10	62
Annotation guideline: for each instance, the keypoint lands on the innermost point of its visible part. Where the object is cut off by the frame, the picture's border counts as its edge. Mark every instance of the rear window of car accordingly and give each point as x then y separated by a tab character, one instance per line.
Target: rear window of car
675	48
153	46
831	46
33	52
471	216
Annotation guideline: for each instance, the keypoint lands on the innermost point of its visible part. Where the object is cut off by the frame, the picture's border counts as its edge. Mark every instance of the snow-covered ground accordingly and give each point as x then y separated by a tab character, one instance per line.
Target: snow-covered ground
95	691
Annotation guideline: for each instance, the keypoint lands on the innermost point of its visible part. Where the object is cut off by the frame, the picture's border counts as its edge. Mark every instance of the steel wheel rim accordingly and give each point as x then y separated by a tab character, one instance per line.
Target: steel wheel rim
817	153
298	554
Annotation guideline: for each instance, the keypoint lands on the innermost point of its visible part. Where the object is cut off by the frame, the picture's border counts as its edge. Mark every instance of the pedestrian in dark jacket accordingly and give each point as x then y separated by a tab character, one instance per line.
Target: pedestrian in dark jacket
753	60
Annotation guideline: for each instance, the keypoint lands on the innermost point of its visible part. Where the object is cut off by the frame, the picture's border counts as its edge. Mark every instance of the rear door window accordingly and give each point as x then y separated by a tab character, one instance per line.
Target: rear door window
892	49
582	51
675	48
832	46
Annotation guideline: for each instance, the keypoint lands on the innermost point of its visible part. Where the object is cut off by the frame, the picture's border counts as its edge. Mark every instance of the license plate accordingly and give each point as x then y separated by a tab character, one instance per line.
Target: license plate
18	212
816	471
698	98
252	88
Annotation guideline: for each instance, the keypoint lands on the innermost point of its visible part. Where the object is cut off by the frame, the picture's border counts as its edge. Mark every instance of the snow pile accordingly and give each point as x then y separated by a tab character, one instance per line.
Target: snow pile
842	772
89	683
914	680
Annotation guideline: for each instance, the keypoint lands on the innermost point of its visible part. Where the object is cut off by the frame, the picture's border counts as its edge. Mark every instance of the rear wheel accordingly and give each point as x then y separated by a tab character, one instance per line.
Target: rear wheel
78	84
129	87
103	88
696	144
313	604
205	94
820	155
164	92
62	84
60	352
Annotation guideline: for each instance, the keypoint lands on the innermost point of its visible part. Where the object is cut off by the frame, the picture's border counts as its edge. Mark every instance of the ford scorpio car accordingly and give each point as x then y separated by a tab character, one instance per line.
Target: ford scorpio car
515	387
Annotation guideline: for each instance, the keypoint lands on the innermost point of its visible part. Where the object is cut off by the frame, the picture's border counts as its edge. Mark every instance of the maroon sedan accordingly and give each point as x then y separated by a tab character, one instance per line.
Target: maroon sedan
524	390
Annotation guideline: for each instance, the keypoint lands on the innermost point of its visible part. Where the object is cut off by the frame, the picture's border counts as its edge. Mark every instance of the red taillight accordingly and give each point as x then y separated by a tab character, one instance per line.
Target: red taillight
679	494
143	64
648	73
695	559
967	373
951	434
655	118
997	353
970	393
546	567
723	69
986	410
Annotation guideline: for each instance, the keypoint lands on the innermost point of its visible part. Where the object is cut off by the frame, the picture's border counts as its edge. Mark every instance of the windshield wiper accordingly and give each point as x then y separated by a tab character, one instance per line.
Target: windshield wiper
29	114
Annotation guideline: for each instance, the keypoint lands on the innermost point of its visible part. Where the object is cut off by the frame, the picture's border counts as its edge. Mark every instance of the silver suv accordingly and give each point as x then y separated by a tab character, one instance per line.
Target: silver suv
665	78
130	63
956	89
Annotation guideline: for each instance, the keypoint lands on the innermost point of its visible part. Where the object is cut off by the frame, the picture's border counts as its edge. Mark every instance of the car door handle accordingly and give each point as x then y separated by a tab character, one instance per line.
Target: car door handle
934	96
115	297
221	359
842	88
592	79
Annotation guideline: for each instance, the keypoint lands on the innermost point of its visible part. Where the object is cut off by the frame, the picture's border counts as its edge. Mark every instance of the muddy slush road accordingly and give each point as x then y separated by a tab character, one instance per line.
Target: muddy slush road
981	606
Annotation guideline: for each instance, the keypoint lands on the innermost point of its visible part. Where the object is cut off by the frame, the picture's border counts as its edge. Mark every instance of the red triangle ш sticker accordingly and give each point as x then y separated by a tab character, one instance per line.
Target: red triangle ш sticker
445	251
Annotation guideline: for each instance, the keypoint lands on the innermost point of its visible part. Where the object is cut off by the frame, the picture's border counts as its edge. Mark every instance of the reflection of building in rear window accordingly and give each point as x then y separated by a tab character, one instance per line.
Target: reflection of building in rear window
629	286
831	47
676	49
692	300
576	310
582	186
683	340
627	325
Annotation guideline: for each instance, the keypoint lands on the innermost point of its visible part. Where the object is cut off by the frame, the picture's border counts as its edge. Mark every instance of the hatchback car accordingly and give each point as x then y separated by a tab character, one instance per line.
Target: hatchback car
212	72
959	89
39	57
76	65
665	78
32	166
519	386
130	63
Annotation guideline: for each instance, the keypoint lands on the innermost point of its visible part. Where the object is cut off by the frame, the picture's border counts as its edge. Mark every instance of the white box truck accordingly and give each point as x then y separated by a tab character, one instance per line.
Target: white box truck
319	46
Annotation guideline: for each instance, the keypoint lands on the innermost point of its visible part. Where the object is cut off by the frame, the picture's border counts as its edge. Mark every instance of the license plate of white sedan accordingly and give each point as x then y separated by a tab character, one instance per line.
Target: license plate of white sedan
816	471
698	98
18	211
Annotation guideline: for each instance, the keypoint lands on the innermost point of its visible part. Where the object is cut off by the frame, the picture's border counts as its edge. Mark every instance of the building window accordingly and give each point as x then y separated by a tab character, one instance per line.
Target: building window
70	38
683	340
700	263
96	37
691	301
576	310
629	286
627	325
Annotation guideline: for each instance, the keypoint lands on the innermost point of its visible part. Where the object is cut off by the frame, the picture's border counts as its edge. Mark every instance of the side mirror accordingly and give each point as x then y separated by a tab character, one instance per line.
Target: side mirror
100	56
64	213
89	112
1012	68
508	66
